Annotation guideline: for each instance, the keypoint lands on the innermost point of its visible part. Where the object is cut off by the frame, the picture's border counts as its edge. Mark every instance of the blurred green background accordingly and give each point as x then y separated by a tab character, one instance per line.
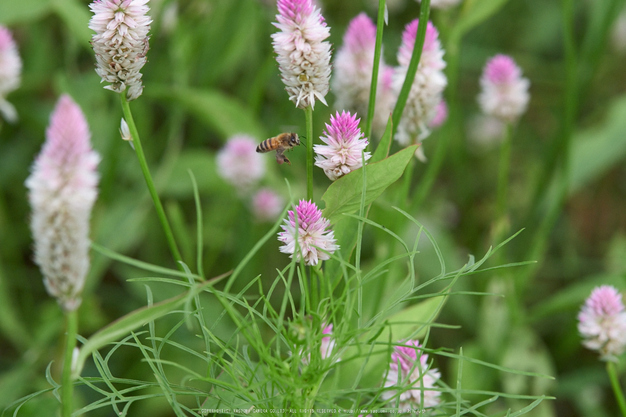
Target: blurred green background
211	73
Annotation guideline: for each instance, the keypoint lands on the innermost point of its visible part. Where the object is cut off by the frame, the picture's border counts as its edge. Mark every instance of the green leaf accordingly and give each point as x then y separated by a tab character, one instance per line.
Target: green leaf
219	112
76	17
14	12
128	323
382	150
344	195
475	12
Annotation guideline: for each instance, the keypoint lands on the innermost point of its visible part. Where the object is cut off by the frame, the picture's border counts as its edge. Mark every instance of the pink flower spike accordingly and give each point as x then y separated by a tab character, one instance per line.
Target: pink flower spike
303	56
602	322
344	144
412	377
504	93
10	73
427	90
239	163
315	243
267	205
62	191
120	43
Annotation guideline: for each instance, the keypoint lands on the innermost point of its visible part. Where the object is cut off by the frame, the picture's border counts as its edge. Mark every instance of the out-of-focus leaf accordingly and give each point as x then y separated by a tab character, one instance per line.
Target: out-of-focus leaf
76	17
14	12
202	164
475	12
223	114
344	195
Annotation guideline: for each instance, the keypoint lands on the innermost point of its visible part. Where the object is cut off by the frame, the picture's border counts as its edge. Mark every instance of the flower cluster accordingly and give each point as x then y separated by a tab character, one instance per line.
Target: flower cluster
344	145
602	322
427	89
306	229
10	71
352	73
239	163
303	56
504	93
62	191
120	43
412	376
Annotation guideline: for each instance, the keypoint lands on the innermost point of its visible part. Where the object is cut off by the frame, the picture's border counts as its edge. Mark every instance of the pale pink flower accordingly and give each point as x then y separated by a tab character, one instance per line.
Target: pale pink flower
120	43
239	163
504	93
427	90
10	72
413	378
442	4
62	191
267	205
602	322
344	145
441	115
352	72
308	231
303	56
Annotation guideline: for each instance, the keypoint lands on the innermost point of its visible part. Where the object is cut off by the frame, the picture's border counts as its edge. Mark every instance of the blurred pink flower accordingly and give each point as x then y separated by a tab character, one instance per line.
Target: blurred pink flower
427	89
352	73
62	191
504	93
441	115
413	378
239	163
267	205
602	322
327	346
309	231
344	144
303	56
120	43
10	72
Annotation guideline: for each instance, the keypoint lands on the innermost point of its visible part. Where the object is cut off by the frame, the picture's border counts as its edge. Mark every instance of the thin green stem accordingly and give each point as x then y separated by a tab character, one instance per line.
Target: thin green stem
375	67
67	385
413	64
617	390
503	173
149	182
308	114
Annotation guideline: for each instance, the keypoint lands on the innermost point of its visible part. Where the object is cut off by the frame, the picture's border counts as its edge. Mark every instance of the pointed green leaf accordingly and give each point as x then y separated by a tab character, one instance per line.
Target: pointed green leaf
344	195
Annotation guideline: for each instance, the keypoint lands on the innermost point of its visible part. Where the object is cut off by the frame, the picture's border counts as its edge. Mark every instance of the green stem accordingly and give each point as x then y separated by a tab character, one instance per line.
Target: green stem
617	390
375	67
67	385
308	114
149	182
413	64
503	173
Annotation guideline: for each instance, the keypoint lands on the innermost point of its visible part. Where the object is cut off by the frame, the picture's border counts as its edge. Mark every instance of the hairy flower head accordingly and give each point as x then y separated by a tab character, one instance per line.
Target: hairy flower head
10	72
120	43
504	92
62	191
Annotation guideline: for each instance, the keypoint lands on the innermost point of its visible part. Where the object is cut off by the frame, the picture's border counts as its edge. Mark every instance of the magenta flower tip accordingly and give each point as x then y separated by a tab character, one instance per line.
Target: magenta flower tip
504	93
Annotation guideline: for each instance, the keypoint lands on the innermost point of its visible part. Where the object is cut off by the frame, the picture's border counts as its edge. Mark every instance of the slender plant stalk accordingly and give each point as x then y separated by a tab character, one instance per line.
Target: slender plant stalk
415	60
503	173
67	385
308	114
378	46
619	395
149	182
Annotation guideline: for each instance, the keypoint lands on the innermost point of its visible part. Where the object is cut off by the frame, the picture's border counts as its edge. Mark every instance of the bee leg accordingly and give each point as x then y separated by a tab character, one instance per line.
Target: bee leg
281	158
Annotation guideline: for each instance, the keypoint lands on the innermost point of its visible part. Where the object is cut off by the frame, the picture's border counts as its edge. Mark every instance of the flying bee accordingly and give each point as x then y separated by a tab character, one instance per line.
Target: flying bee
280	144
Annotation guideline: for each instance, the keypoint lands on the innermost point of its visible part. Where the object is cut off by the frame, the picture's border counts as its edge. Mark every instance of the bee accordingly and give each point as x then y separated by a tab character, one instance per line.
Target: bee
280	144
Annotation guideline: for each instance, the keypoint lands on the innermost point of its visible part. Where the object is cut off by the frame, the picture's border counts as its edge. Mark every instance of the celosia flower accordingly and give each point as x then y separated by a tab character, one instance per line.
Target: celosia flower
239	163
62	191
267	205
427	89
602	322
120	43
308	230
442	4
344	145
412	377
303	56
504	93
352	75
10	71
